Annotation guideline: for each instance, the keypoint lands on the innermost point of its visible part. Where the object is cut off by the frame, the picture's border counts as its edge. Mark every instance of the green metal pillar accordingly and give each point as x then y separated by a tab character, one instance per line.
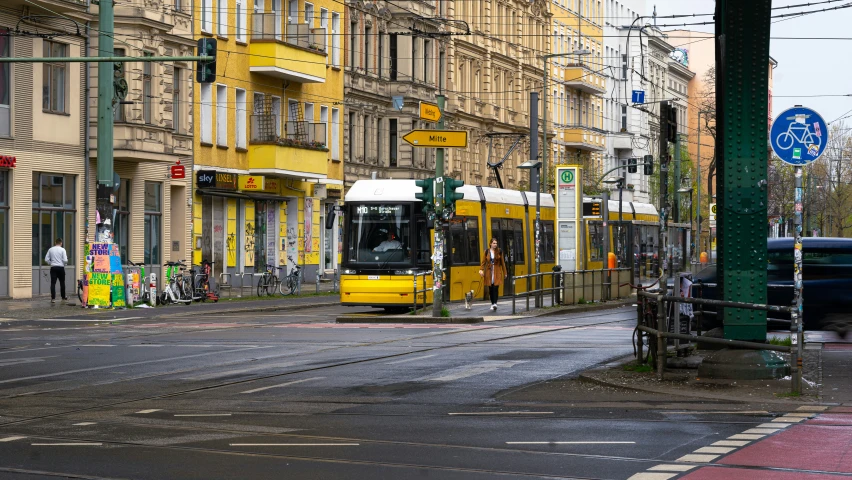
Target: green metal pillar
742	84
438	262
104	199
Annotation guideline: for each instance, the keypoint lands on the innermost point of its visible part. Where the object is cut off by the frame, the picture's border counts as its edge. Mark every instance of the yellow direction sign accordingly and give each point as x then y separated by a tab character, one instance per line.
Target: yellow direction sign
429	112
437	138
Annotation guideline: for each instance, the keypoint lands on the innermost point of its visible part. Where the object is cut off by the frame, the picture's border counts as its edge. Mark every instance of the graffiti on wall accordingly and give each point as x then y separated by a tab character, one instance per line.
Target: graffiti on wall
309	217
232	248
249	243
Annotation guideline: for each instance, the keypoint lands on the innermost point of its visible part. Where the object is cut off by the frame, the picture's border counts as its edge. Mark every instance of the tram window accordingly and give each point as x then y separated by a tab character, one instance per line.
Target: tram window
596	242
472	234
457	242
424	256
519	241
379	234
548	251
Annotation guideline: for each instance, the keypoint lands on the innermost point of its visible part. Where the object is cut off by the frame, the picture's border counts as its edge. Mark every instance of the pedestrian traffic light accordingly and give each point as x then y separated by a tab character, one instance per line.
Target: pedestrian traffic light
206	71
631	165
648	161
426	193
668	121
450	194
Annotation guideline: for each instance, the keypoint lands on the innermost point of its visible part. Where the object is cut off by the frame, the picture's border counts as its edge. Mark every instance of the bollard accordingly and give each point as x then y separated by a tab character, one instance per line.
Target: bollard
513	297
661	341
556	284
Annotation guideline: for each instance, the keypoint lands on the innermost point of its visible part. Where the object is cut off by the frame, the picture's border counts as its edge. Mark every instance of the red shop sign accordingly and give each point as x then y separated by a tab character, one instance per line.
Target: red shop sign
7	161
178	171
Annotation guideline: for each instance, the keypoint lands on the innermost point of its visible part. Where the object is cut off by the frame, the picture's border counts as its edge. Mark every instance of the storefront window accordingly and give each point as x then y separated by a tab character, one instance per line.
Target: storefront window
4	218
53	214
153	222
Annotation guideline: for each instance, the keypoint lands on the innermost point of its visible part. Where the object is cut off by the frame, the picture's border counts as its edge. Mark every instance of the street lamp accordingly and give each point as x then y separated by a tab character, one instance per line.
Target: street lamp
536	165
699	174
619	183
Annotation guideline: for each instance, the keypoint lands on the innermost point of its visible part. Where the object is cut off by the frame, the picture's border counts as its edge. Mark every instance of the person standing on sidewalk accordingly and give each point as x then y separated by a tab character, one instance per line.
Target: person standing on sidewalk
493	271
57	258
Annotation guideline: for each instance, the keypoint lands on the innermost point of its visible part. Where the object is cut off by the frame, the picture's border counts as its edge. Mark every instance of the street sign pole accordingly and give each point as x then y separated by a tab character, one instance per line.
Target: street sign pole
438	251
798	136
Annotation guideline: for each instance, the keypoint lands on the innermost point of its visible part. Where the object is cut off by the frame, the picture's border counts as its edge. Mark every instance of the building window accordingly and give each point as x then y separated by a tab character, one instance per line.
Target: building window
54	86
352	136
206	113
326	31
393	57
367	131
392	142
121	229
177	104
367	32
241	20
309	15
153	222
222	18
4	218
54	209
5	85
146	89
206	16
335	39
222	115
427	71
240	124
415	54
118	111
352	50
335	134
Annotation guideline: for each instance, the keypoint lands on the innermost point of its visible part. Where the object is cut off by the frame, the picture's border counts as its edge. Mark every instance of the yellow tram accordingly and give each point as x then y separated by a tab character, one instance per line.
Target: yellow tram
387	240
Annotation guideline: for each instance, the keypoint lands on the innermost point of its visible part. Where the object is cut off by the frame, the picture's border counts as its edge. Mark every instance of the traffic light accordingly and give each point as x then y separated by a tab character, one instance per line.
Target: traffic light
631	165
668	121
450	194
206	71
648	160
426	193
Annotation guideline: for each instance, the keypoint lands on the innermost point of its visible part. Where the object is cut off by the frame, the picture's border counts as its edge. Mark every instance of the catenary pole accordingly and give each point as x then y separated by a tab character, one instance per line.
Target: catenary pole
438	253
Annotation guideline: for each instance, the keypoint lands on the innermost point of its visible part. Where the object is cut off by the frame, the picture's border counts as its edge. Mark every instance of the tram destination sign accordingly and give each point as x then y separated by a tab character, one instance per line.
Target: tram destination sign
437	138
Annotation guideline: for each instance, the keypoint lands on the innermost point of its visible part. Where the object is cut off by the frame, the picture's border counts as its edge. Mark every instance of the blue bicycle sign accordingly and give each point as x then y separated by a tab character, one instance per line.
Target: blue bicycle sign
798	136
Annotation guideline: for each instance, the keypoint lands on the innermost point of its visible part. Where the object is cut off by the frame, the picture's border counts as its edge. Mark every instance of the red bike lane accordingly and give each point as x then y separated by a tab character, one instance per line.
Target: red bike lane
817	449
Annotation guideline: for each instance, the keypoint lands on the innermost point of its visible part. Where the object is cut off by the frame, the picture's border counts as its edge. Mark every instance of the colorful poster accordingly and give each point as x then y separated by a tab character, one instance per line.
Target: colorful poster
115	265
101	264
118	299
99	289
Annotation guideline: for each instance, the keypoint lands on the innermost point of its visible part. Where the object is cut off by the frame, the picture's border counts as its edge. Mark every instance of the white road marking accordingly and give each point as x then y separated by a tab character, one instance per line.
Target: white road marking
145	345
83	424
761	431
294	444
67	444
19	361
788	420
10	439
570	443
202	414
742	412
693	458
812	408
395	362
715	450
93	345
467	371
652	476
672	468
744	436
731	443
799	415
152	410
500	413
772	425
282	385
107	367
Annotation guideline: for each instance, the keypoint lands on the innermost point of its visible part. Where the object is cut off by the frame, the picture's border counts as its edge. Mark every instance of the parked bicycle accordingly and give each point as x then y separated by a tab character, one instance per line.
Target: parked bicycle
178	289
290	284
269	282
144	290
203	291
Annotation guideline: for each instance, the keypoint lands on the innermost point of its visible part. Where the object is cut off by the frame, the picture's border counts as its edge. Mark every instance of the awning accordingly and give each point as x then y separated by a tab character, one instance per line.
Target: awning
268	196
221	193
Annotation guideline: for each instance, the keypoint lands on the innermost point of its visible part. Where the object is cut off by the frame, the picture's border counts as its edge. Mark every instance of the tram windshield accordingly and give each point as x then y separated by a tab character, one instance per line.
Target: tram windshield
379	234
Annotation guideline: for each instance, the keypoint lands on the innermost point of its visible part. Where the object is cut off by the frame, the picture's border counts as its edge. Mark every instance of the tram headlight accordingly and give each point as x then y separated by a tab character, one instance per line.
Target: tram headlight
403	272
348	272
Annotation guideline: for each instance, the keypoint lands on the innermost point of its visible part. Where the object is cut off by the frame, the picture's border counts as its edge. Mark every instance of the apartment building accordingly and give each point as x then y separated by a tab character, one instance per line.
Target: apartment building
389	70
489	76
578	79
268	147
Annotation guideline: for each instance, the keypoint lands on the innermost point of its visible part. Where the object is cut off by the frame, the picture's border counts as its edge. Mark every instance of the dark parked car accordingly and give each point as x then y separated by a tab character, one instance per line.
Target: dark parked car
827	291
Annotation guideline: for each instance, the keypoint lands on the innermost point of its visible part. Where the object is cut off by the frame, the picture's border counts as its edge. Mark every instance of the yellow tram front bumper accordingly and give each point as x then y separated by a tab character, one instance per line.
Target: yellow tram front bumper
384	290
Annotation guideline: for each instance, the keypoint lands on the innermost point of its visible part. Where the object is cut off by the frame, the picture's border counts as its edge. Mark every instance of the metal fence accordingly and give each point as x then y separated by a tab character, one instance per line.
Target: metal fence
570	288
425	289
273	128
275	26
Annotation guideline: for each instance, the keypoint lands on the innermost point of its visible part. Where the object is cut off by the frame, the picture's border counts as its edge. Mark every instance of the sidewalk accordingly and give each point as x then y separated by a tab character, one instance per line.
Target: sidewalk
40	308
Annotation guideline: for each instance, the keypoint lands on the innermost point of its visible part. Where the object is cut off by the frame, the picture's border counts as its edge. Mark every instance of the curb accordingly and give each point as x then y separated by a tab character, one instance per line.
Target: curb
587	377
586	308
409	319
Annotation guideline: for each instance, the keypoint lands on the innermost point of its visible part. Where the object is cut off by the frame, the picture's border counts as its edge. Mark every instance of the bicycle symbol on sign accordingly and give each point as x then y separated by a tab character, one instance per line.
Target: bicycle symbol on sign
800	132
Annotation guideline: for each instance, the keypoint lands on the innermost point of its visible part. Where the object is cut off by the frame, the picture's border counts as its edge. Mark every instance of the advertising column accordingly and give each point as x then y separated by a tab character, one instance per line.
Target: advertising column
569	198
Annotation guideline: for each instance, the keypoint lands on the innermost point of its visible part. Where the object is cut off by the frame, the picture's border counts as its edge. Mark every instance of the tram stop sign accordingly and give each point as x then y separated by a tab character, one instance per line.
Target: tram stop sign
798	136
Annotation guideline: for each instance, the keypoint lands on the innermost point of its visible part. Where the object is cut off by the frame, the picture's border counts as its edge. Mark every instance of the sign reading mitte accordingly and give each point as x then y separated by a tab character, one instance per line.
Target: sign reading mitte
437	138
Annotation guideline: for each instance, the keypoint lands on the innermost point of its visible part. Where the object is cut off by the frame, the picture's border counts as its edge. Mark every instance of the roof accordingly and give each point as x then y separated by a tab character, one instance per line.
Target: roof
810	242
404	190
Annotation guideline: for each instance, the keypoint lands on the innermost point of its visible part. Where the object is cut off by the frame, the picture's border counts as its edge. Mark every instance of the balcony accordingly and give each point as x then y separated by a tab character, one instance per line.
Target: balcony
581	77
300	151
584	138
288	51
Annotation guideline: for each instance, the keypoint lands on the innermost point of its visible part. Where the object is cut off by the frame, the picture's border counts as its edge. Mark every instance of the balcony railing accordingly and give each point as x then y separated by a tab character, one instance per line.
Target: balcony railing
273	129
274	26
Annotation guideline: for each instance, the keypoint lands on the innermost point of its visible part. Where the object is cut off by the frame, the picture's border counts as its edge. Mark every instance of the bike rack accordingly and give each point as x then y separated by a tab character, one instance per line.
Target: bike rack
225	284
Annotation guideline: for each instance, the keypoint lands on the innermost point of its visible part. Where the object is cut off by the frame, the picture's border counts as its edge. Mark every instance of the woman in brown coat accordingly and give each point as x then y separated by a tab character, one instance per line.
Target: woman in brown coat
493	271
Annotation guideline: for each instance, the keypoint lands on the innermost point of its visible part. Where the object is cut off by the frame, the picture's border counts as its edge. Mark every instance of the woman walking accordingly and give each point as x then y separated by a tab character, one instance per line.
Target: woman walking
493	271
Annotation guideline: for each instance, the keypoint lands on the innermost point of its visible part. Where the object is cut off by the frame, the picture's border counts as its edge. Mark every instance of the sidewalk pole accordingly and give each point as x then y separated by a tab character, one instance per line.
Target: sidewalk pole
438	254
797	284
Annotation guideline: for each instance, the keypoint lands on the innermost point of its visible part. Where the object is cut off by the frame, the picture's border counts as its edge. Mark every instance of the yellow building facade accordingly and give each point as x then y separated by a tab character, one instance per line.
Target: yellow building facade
576	85
268	169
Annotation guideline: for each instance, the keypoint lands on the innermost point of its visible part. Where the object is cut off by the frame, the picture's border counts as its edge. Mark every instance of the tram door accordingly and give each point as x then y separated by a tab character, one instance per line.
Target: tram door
509	235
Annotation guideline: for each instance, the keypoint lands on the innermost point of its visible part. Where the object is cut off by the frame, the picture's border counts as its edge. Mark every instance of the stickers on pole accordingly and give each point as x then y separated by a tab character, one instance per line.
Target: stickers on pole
798	136
103	279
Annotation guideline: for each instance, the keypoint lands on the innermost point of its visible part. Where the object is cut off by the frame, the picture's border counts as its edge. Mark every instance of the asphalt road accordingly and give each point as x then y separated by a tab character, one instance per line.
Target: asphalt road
294	395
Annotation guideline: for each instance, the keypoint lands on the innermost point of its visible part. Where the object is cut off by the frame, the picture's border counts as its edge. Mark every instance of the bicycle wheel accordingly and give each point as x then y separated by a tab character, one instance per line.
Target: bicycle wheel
262	286
292	284
274	285
784	141
80	290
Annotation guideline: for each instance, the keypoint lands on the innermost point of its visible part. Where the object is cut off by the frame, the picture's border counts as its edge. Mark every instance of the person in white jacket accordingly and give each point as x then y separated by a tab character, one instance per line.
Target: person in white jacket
57	258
